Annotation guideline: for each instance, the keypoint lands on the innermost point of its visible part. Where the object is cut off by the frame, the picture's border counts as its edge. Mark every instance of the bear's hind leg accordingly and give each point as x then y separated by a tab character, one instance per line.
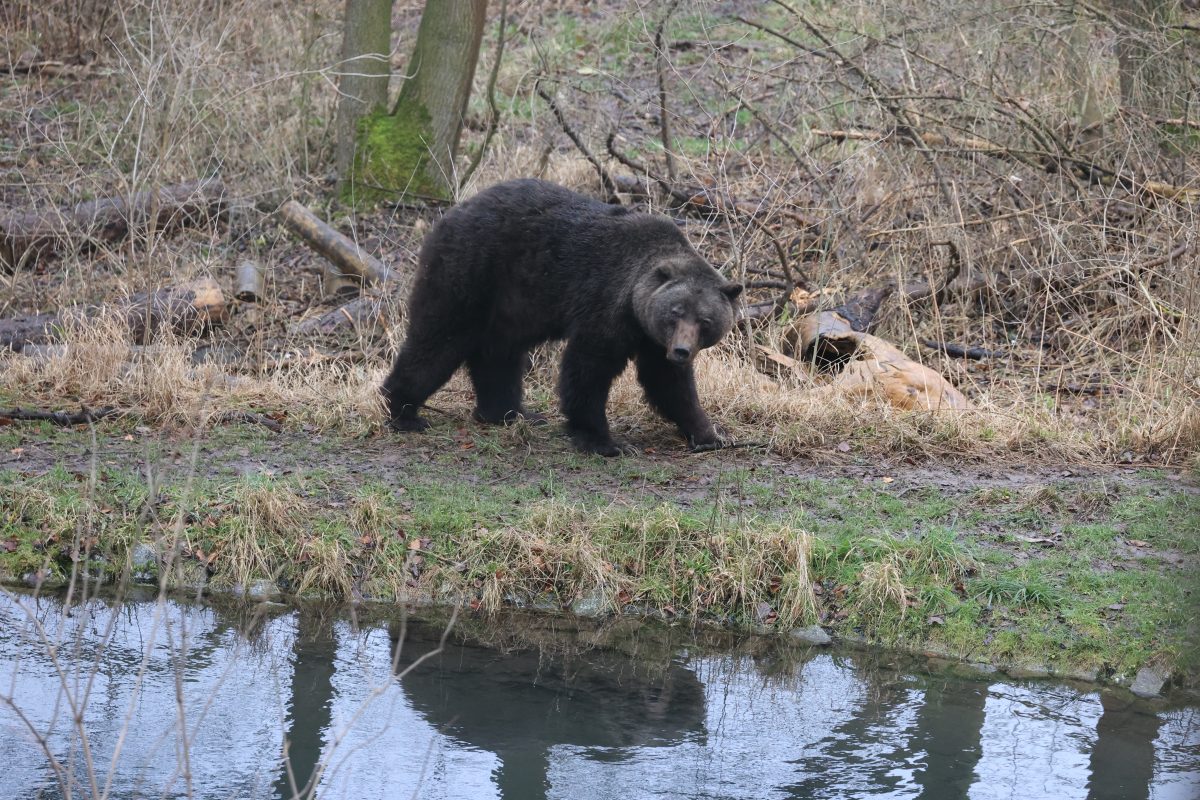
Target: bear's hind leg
498	378
587	378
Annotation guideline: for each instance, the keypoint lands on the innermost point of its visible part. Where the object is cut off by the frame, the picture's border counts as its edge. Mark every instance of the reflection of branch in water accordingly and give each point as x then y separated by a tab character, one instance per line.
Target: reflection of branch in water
311	702
949	731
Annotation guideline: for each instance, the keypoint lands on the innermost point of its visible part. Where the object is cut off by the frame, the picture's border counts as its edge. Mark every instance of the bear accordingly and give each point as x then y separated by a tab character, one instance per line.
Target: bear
525	262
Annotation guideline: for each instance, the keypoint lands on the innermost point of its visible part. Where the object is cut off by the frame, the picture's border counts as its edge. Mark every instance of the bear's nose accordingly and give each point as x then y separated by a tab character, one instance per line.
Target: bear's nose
680	354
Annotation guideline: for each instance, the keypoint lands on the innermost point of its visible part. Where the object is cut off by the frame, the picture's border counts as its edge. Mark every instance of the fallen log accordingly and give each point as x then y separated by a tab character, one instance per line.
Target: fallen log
27	236
369	315
61	418
338	285
340	250
1082	168
859	365
962	351
188	309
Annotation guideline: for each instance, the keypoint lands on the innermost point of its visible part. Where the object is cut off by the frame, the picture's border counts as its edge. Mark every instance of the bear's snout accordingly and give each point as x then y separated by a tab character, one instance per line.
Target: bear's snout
684	343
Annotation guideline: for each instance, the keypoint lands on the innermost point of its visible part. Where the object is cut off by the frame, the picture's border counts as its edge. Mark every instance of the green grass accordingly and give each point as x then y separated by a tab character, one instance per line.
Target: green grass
914	568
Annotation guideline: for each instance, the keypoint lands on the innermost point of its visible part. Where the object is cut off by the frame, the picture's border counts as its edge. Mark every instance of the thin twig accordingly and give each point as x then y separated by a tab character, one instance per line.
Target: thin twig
663	116
606	180
494	110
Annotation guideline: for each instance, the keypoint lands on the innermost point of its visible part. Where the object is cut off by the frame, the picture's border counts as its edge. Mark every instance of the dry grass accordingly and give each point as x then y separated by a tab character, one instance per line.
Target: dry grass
161	384
1075	289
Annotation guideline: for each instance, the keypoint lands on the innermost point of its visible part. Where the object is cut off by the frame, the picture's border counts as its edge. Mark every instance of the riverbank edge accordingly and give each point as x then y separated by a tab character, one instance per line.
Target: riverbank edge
1150	684
1031	575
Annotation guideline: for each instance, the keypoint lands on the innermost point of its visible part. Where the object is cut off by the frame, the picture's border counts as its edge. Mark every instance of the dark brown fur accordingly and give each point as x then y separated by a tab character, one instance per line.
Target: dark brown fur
526	262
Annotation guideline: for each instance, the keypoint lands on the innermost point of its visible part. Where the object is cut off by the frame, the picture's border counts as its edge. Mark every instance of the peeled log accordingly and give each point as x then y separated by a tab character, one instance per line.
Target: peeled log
26	237
862	365
871	366
187	309
343	252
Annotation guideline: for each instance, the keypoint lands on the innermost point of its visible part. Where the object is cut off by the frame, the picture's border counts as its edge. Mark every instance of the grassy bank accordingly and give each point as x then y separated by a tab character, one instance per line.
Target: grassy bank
1084	576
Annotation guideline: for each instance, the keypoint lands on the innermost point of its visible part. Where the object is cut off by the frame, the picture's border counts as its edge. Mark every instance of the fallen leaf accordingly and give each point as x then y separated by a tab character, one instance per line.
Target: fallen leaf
843	447
887	479
765	614
1035	539
935	619
1138	543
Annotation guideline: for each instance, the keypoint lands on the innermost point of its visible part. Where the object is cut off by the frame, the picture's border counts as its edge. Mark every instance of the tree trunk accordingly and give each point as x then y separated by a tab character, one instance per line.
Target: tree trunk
1150	78
440	76
1084	88
364	73
411	151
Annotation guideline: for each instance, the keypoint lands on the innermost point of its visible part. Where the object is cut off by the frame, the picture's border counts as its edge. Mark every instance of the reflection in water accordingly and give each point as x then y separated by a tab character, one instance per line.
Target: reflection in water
175	699
178	700
312	698
519	704
946	741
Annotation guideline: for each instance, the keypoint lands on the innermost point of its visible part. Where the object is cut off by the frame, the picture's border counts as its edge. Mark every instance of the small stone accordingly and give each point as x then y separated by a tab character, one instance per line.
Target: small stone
982	668
143	556
1085	674
593	604
261	589
544	604
143	560
1149	681
188	575
1026	671
813	634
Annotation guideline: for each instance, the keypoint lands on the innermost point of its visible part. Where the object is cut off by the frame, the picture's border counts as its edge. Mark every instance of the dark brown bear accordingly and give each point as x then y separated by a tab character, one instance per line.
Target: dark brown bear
526	262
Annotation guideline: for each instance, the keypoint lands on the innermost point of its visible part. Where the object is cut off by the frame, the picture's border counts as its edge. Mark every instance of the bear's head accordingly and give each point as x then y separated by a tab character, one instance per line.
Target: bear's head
685	305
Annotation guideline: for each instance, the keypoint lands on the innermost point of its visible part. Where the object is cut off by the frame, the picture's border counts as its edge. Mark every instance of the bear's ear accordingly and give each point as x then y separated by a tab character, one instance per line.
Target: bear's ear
662	273
732	291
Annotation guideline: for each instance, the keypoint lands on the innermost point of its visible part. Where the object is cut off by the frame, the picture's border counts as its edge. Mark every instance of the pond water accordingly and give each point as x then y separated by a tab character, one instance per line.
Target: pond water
185	700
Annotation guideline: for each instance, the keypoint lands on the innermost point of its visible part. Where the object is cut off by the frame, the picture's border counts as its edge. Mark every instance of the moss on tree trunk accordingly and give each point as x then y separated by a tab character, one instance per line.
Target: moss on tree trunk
393	158
411	150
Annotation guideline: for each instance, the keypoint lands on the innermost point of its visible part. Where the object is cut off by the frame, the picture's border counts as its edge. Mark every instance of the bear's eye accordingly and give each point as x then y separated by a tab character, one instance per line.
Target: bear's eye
677	311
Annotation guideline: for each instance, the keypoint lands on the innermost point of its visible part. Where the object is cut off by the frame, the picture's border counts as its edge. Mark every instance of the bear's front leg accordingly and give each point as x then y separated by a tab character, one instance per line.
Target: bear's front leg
587	376
671	390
